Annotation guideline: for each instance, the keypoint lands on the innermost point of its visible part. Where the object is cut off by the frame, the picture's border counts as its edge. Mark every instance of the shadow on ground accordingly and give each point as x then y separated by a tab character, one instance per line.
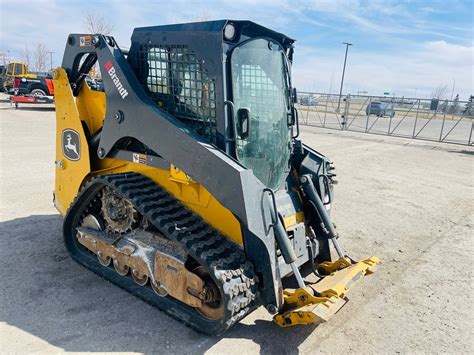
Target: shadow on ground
46	294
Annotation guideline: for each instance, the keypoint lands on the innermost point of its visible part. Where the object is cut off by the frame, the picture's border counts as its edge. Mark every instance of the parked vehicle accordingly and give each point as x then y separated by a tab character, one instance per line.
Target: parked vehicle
94	84
380	109
308	100
134	218
42	85
2	69
14	70
37	87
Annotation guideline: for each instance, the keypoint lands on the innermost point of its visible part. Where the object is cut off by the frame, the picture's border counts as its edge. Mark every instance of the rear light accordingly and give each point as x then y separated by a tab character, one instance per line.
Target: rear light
16	83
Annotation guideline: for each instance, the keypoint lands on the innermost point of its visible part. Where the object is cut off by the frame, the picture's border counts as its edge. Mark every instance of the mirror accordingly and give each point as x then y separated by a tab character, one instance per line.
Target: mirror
243	119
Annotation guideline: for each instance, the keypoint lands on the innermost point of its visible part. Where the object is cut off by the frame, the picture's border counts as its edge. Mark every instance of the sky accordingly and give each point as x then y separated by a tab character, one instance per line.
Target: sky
407	48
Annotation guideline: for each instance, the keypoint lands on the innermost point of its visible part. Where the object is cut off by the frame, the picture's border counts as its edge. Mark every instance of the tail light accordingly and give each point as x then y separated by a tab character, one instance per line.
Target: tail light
16	83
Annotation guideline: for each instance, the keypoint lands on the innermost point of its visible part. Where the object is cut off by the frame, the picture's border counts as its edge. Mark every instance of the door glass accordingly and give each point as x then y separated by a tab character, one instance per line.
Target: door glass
260	84
18	68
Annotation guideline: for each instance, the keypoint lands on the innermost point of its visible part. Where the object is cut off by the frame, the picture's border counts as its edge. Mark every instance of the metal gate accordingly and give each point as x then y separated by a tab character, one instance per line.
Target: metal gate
435	120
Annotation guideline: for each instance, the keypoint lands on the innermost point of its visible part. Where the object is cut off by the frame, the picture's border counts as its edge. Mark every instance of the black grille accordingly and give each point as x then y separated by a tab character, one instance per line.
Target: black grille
176	81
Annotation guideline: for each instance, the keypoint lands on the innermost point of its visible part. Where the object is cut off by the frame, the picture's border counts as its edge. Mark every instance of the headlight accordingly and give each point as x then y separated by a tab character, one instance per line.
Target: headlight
229	32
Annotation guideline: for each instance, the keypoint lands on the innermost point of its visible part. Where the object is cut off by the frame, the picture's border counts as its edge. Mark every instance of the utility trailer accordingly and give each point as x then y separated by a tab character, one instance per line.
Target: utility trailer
39	100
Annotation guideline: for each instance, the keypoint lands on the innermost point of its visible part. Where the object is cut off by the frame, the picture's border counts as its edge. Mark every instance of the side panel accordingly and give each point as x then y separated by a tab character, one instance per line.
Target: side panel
70	171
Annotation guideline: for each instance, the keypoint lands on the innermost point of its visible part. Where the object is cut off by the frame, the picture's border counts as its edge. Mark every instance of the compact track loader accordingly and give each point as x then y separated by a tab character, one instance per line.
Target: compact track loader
185	183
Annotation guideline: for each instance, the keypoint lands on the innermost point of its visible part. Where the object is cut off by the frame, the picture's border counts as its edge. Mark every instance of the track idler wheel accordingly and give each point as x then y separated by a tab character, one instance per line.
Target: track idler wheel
212	307
121	269
104	260
139	278
158	288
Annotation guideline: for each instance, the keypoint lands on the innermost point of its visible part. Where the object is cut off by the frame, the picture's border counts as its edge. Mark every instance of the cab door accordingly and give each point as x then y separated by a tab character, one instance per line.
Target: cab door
9	71
19	69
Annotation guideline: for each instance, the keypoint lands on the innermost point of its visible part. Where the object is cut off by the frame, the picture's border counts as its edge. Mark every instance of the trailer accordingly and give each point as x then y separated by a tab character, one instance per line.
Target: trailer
40	100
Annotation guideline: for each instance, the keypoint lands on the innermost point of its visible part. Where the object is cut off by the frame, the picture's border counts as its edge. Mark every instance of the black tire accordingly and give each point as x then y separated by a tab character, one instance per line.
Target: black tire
38	93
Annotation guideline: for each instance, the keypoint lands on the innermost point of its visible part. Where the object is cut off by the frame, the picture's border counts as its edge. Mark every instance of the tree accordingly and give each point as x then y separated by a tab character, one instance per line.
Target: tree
469	109
439	92
454	105
26	56
94	23
40	57
202	16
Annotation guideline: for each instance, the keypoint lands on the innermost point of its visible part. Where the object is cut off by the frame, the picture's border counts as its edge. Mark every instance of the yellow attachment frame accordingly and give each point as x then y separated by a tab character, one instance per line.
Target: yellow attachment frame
318	302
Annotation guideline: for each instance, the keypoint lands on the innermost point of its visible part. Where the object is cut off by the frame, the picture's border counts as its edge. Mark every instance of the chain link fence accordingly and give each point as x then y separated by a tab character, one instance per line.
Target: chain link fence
449	121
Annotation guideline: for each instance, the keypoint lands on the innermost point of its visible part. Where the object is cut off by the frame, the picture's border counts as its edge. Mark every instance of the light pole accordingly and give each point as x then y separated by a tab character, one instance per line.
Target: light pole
452	91
51	59
343	71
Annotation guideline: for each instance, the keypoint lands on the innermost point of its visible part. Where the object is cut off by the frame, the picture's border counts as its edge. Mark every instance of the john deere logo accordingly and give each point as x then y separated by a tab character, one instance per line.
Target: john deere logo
71	144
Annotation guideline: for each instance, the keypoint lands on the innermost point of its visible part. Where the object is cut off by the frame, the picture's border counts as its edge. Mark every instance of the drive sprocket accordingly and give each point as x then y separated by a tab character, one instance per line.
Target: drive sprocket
119	214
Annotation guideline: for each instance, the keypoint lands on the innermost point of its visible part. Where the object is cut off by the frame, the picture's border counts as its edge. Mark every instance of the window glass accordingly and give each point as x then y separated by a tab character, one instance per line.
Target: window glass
18	68
260	84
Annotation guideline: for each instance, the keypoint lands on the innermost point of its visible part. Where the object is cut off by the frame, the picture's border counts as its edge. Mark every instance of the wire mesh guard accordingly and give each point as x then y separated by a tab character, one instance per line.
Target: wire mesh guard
260	95
176	81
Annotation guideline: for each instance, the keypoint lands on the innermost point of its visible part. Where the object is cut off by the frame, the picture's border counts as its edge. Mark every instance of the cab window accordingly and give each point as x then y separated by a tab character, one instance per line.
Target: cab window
10	69
18	69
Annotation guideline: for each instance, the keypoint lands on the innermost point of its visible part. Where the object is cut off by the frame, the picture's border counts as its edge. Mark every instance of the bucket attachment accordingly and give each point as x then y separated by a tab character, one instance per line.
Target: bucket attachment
317	302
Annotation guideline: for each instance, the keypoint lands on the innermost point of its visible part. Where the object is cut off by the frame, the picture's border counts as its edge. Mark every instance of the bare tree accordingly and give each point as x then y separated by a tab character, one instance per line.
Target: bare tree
26	56
40	57
439	92
94	23
204	15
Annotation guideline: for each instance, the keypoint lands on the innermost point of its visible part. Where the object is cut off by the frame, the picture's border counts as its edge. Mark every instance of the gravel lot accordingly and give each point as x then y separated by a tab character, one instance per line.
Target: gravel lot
408	202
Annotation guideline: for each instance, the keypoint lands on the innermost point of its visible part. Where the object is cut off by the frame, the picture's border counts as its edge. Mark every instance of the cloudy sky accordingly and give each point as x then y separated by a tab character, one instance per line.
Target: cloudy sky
403	47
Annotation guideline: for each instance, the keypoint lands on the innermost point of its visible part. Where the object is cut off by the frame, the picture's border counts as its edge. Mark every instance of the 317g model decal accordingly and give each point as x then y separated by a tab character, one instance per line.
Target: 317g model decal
71	143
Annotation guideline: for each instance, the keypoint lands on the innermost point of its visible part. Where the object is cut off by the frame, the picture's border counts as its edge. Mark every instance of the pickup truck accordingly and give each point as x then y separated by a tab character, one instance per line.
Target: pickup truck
43	86
39	86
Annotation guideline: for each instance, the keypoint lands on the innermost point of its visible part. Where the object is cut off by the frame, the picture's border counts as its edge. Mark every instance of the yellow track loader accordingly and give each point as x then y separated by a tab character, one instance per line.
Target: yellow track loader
185	183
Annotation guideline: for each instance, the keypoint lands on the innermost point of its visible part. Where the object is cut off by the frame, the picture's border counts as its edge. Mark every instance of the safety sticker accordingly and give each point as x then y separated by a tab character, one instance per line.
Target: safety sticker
139	158
85	41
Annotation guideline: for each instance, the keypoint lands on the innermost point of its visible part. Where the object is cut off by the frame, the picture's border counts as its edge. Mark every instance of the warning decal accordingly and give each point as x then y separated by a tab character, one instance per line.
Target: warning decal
139	158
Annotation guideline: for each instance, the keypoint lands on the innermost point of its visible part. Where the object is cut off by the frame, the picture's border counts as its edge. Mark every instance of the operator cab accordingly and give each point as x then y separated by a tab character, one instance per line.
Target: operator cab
229	81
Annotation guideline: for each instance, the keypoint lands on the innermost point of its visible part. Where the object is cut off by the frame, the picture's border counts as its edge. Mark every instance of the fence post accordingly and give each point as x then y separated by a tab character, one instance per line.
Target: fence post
470	134
442	127
328	96
346	111
368	114
416	119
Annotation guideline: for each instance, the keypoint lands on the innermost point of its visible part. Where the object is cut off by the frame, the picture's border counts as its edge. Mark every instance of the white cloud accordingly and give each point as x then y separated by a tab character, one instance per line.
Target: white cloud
401	72
407	65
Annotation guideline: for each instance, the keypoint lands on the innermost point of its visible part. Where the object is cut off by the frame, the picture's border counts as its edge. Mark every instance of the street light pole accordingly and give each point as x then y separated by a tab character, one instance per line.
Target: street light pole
452	91
343	72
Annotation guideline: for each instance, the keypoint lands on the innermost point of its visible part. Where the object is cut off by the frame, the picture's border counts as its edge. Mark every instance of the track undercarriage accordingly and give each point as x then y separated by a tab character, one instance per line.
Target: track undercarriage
130	231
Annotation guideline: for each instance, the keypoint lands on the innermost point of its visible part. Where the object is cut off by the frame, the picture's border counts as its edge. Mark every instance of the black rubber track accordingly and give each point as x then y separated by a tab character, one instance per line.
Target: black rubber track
224	260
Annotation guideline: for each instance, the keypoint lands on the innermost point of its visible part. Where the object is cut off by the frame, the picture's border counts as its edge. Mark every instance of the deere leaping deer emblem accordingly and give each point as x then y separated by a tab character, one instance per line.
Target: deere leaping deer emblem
71	144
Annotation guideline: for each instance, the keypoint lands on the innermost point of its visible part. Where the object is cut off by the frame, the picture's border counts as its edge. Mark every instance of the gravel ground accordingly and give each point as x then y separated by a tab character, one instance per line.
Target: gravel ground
408	202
